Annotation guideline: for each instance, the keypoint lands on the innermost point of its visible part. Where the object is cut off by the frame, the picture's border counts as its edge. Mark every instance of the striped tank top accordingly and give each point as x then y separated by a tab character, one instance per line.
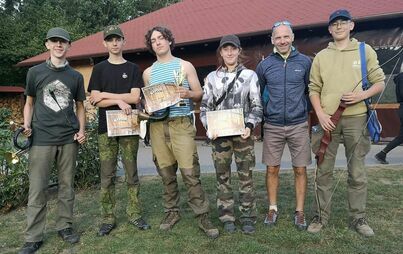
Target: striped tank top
164	73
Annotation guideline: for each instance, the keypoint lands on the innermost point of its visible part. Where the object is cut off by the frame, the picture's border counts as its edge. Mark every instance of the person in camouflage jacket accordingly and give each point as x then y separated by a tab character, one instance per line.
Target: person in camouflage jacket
245	94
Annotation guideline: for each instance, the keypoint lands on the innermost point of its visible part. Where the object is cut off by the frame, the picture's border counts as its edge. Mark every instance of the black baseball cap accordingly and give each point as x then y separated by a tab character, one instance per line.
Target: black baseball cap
339	14
58	32
230	39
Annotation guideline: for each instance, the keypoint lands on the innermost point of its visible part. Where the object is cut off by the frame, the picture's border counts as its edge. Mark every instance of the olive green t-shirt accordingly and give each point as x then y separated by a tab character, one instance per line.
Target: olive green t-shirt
55	91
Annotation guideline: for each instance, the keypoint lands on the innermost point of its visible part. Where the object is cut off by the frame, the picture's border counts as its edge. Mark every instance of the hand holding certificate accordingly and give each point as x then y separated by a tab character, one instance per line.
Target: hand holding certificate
222	123
161	96
121	124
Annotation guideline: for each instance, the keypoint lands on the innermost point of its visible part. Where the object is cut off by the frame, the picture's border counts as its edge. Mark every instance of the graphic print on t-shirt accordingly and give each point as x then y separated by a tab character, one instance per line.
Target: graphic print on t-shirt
56	93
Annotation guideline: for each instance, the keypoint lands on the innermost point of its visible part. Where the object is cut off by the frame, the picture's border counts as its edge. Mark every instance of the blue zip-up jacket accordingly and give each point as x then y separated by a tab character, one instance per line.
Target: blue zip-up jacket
285	82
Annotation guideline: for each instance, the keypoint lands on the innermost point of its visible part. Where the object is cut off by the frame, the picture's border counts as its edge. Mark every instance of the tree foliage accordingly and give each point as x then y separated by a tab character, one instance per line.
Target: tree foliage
25	23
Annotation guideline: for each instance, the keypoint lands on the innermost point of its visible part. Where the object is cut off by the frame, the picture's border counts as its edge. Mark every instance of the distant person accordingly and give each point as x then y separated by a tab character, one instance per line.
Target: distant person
284	78
115	85
172	139
381	156
55	117
243	93
335	72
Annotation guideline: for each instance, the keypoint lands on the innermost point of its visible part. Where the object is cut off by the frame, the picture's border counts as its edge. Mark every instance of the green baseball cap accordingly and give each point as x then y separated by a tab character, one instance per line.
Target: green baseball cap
58	32
113	30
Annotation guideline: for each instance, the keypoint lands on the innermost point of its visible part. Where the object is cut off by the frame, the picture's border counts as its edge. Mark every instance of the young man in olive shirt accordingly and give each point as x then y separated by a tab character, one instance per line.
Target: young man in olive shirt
53	89
334	73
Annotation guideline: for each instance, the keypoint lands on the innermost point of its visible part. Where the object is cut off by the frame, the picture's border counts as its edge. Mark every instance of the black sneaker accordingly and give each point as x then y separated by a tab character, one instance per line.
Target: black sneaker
68	235
229	227
381	157
140	223
248	227
106	228
30	247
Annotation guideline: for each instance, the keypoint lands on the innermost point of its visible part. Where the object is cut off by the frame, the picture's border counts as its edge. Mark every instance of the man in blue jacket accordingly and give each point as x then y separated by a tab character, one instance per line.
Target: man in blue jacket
284	77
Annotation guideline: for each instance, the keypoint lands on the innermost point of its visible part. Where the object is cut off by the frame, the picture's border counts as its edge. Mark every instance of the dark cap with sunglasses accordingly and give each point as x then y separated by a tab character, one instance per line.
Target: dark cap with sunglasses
230	39
58	32
339	14
279	23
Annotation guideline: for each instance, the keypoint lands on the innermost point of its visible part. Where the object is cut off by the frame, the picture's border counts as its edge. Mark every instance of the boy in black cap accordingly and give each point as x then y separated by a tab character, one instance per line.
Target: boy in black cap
242	92
53	90
335	72
115	84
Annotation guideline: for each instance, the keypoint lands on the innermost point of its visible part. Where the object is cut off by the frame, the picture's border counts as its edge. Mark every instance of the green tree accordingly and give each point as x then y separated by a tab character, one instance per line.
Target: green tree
26	23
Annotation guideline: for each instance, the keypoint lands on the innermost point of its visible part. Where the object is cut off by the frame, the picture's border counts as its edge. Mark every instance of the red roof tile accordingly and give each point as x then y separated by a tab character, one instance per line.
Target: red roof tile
194	21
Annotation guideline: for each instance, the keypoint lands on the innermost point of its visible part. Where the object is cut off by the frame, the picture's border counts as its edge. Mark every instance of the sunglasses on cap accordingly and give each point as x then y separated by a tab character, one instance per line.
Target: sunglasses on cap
279	23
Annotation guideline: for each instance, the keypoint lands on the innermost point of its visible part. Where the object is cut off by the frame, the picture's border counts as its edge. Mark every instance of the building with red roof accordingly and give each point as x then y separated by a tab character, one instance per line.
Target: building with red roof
199	25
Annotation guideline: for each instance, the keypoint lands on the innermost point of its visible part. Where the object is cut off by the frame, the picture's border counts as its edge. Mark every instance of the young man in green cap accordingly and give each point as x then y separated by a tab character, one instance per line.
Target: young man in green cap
115	84
53	90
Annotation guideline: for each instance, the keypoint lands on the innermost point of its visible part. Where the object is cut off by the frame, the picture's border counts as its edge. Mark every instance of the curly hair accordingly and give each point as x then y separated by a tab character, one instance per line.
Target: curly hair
166	33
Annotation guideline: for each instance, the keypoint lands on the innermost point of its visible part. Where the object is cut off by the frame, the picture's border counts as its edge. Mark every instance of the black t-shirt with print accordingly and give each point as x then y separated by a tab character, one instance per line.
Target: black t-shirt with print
54	90
114	78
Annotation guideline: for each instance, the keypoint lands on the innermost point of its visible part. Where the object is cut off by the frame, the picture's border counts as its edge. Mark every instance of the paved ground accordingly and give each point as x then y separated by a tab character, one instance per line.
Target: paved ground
146	166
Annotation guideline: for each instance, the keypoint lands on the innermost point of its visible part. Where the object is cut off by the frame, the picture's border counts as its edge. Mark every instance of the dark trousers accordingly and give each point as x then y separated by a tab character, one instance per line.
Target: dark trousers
399	139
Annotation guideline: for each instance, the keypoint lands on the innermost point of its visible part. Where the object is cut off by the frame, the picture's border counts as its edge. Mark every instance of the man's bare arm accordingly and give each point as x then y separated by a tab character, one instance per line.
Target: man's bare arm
130	98
112	102
80	135
28	112
195	93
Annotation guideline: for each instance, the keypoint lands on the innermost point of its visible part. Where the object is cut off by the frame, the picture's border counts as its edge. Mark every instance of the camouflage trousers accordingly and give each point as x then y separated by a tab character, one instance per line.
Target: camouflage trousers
108	153
243	149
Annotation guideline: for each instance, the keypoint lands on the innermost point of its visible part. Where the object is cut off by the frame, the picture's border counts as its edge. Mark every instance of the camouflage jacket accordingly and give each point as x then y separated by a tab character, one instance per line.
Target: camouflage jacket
244	94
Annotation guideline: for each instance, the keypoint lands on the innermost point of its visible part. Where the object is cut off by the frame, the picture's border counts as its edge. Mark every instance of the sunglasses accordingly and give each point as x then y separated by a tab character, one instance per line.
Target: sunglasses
279	23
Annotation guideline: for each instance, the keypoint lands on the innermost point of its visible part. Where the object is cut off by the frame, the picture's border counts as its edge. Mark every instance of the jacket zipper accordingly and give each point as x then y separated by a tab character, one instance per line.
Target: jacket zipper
285	84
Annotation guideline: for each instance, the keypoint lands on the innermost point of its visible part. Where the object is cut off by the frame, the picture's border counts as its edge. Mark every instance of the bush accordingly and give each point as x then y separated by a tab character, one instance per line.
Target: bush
13	177
88	166
14	181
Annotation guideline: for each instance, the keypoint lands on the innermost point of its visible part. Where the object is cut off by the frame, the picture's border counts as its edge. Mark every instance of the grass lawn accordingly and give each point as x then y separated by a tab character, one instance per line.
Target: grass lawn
384	207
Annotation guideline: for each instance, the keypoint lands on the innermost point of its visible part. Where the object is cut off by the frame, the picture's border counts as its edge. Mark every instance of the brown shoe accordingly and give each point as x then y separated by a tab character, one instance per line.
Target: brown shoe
170	219
361	226
271	218
299	220
208	227
315	226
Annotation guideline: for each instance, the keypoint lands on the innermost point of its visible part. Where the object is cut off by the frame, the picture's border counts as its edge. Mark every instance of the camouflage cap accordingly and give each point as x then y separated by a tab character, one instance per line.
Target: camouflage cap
113	30
57	32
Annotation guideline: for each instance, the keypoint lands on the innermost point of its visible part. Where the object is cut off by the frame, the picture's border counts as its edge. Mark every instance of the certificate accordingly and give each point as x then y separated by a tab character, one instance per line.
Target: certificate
160	96
120	124
229	122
